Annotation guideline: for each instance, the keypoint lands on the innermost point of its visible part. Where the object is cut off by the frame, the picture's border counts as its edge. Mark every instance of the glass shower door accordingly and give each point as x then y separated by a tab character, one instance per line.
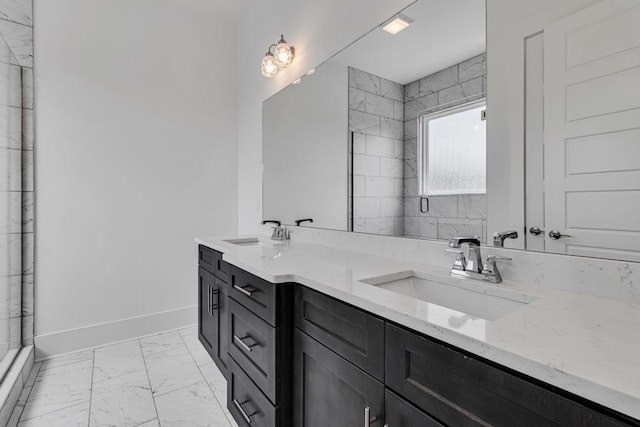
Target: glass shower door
10	208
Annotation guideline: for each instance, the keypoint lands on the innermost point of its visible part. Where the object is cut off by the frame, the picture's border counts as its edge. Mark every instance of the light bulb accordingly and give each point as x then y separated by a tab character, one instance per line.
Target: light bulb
283	53
268	66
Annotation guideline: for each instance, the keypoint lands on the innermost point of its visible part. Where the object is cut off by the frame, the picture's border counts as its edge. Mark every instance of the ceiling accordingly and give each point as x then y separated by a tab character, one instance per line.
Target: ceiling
443	33
228	10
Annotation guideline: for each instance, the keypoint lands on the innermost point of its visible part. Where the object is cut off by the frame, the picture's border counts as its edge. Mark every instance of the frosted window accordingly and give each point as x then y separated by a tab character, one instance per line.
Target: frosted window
453	152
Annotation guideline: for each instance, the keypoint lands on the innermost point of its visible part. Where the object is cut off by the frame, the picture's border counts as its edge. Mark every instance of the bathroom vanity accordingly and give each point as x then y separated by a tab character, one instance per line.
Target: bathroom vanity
318	335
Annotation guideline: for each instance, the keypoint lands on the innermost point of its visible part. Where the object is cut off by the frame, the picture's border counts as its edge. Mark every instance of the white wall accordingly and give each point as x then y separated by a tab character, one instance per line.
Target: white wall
136	155
317	29
509	22
316	136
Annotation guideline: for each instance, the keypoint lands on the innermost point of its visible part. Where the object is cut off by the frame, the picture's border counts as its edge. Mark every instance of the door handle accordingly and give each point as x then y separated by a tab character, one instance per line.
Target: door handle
215	292
555	234
536	231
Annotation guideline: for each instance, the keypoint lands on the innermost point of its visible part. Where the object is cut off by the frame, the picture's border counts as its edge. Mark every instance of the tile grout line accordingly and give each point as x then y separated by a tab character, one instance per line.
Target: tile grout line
205	379
146	370
93	368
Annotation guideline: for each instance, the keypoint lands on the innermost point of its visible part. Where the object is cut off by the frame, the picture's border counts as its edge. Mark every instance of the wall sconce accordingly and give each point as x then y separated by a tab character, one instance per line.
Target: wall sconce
282	56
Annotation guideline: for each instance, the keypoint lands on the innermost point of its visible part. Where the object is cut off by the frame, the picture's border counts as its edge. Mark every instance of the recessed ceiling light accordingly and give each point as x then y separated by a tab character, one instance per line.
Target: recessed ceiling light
397	24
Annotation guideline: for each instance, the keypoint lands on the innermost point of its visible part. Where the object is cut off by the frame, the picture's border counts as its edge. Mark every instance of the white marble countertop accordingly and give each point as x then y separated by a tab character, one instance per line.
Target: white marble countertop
586	345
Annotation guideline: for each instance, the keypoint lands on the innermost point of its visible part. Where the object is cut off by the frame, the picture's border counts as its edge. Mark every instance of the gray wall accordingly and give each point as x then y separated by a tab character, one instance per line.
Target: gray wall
448	215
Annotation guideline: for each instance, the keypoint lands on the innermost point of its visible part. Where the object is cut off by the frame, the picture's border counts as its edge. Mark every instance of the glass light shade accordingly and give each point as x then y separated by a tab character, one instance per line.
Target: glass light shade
283	53
269	67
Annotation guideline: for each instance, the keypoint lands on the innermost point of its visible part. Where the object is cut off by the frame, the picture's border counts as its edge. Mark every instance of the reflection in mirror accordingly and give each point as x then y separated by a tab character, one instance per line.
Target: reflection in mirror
436	63
360	168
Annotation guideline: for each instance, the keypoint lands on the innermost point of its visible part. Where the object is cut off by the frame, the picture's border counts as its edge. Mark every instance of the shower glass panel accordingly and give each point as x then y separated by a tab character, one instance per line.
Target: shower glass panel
10	207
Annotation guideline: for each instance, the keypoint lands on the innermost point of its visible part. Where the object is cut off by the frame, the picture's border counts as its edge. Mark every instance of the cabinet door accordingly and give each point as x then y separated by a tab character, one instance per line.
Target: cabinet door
207	317
213	322
329	391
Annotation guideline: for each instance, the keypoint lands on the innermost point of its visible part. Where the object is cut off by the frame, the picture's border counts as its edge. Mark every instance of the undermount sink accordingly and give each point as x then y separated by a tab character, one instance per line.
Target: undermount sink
485	301
247	241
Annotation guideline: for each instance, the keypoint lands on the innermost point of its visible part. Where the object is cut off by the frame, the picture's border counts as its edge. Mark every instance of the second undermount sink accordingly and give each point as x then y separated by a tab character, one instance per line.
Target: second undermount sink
246	241
476	299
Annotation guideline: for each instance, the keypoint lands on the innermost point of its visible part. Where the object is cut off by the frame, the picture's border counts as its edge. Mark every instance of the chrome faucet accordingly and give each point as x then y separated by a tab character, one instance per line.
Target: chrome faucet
471	267
279	232
500	236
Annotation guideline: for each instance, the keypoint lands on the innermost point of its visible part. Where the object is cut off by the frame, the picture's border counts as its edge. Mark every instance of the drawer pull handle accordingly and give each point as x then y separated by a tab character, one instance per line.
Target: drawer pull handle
246	416
244	290
367	417
240	341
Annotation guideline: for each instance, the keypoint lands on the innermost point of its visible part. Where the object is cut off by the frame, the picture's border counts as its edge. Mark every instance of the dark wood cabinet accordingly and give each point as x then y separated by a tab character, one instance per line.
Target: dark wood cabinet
293	356
330	391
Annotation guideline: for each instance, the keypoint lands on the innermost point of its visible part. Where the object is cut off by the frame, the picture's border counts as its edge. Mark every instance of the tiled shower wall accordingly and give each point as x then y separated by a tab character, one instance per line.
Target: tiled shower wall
16	121
448	216
376	115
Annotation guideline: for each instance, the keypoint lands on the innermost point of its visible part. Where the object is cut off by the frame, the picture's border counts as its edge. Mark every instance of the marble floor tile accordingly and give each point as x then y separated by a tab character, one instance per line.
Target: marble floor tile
58	388
189	330
151	382
162	342
117	360
71	416
67	359
190	406
171	370
123	401
198	352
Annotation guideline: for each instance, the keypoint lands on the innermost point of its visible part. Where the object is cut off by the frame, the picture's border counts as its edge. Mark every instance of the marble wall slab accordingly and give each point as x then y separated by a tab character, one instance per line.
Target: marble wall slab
16	148
448	215
376	118
612	279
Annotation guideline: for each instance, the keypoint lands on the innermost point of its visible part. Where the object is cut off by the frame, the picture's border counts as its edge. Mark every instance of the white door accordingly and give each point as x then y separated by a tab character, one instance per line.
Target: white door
592	131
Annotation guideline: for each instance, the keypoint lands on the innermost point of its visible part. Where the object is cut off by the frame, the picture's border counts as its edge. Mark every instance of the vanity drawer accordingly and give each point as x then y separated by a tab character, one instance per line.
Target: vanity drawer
207	258
247	404
400	413
211	260
256	294
353	334
255	346
464	391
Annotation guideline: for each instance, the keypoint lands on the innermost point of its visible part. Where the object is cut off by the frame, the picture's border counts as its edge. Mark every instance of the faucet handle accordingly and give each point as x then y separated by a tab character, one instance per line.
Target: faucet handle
460	262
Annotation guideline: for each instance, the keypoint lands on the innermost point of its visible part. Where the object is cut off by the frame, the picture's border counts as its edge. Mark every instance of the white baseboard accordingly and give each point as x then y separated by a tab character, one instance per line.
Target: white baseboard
69	341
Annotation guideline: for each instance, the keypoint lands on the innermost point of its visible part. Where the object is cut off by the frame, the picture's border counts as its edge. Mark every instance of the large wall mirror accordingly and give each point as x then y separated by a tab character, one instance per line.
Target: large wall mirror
389	135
